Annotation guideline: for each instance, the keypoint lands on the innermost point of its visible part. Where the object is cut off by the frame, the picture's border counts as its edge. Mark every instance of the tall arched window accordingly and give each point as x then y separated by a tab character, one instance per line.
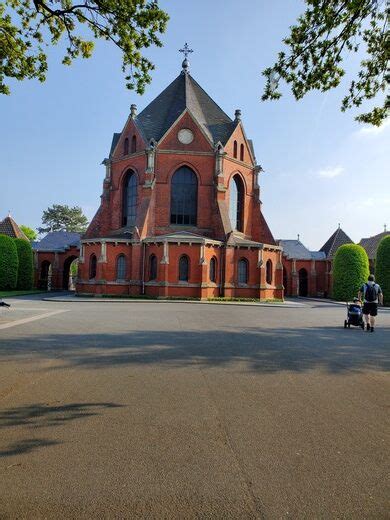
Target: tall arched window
184	197
134	144
184	268
268	272
121	267
126	147
213	269
241	152
152	267
236	203
235	149
129	199
92	266
243	270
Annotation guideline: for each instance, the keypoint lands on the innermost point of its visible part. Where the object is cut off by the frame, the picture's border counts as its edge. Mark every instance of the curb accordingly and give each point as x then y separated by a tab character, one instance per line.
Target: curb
196	302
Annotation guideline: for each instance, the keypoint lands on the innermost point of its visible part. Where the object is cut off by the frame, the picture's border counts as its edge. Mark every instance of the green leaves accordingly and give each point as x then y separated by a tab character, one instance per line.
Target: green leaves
26	27
63	218
318	45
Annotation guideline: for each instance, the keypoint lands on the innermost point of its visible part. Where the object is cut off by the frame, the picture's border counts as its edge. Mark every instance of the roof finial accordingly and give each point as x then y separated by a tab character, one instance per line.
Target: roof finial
237	115
186	64
385	226
9	212
339	225
298	237
133	111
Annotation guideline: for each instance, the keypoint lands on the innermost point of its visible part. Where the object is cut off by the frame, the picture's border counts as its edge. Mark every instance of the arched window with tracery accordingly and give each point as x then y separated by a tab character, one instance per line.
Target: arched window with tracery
243	271
121	267
129	200
235	149
152	267
92	266
268	272
236	203
213	269
126	147
184	268
134	144
241	152
184	197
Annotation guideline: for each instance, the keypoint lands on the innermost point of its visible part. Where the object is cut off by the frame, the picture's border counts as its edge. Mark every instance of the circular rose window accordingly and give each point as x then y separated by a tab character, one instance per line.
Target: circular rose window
185	136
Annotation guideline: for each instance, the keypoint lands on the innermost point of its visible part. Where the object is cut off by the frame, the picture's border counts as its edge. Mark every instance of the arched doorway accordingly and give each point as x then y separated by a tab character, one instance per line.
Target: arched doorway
302	282
285	282
44	275
70	273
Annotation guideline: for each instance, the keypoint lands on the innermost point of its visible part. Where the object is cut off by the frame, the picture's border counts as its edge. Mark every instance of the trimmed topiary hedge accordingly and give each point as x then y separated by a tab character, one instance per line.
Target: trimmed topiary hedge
350	271
8	263
25	269
382	268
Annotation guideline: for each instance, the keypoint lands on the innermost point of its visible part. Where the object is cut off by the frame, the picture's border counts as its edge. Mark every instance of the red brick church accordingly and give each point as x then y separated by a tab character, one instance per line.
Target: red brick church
180	213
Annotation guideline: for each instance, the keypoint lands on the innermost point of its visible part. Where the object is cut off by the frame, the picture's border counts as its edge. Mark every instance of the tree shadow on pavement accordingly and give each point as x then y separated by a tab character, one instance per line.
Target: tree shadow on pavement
41	416
332	349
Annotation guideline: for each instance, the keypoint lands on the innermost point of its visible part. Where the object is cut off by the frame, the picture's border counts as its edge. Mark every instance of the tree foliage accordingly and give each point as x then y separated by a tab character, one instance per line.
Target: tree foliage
28	26
350	271
318	45
25	265
382	268
30	233
8	263
63	218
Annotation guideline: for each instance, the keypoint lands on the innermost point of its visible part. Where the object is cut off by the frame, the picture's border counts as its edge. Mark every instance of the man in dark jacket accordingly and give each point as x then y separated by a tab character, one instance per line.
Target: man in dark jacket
372	295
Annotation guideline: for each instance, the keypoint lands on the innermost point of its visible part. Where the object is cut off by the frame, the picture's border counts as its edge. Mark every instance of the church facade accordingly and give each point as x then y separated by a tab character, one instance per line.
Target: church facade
180	213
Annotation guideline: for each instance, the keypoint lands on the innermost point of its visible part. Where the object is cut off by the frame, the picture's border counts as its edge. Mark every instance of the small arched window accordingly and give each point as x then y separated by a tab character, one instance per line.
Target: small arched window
241	152
134	144
268	272
121	267
92	266
184	197
213	269
184	268
235	149
152	267
126	147
129	212
236	203
243	270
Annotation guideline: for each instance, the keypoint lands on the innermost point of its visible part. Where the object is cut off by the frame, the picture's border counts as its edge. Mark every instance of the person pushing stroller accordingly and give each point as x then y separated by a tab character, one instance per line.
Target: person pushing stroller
371	294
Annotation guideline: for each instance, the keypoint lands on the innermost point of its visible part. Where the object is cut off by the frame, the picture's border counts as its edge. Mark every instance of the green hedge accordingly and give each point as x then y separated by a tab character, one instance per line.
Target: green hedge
25	269
8	263
382	268
350	271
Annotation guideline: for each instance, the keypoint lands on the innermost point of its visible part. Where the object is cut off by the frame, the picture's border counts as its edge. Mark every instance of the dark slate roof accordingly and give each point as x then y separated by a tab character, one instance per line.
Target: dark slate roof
184	93
339	238
58	241
371	244
10	228
115	139
294	249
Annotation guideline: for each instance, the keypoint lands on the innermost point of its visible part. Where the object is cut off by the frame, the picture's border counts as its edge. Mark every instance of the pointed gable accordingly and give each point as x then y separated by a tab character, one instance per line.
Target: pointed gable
339	238
10	228
131	129
238	136
184	93
200	140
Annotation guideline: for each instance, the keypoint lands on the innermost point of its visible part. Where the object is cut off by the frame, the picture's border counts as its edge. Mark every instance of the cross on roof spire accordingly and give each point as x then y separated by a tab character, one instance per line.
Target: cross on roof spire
385	226
186	51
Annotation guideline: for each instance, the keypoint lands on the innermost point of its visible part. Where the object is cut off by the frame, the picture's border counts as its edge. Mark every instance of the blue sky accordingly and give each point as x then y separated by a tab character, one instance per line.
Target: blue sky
321	167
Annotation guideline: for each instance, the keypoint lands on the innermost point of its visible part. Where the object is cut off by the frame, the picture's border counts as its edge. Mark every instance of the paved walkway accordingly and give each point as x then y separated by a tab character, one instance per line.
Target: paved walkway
191	411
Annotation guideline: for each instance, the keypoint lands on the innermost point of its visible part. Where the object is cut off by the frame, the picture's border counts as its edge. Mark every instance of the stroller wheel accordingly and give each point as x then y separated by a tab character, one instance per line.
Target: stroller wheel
345	324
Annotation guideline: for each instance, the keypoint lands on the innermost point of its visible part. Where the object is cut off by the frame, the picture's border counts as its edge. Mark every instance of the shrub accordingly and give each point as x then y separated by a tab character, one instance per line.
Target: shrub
350	271
382	268
25	269
8	263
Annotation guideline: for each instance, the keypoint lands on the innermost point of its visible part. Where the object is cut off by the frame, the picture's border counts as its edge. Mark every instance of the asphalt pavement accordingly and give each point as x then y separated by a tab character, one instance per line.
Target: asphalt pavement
192	411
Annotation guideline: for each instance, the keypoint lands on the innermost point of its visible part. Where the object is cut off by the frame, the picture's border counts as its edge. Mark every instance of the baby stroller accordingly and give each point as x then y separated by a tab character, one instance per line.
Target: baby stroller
354	315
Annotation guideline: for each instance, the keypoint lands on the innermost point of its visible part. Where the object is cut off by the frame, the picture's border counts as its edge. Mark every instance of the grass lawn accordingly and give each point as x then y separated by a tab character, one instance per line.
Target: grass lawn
8	294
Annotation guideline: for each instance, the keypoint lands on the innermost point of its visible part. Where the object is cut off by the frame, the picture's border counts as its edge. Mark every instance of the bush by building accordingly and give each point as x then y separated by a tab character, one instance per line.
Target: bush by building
350	271
25	267
382	268
8	263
